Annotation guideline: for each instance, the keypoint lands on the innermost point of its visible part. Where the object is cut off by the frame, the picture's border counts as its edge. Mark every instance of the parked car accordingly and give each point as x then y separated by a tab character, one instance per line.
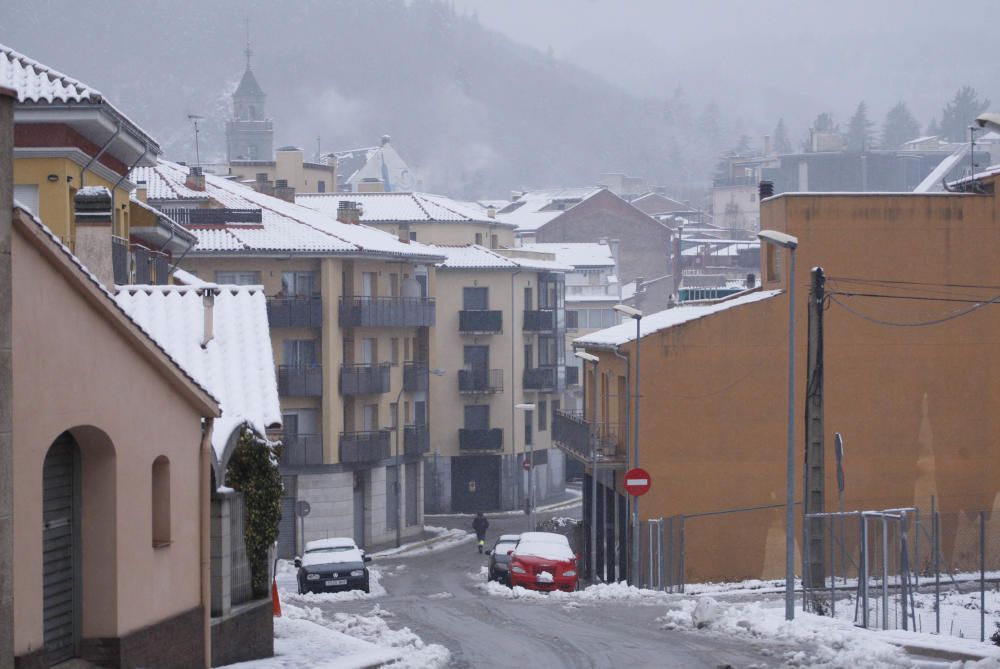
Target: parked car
544	561
499	560
331	565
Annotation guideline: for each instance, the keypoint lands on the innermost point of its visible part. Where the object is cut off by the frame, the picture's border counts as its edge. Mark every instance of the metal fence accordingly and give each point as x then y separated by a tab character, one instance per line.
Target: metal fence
241	585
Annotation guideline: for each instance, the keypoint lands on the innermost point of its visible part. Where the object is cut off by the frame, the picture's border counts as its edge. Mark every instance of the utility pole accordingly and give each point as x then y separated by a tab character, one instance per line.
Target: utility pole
8	98
813	557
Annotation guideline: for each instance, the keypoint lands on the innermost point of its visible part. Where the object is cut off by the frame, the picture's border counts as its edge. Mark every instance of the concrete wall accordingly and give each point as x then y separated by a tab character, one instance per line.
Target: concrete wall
456	233
330	496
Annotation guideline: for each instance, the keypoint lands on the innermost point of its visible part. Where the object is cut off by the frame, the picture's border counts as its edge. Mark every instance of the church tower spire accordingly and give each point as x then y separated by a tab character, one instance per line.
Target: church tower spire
250	134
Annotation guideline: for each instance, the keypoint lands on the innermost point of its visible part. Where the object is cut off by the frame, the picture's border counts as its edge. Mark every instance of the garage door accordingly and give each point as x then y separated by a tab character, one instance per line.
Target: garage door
60	546
475	483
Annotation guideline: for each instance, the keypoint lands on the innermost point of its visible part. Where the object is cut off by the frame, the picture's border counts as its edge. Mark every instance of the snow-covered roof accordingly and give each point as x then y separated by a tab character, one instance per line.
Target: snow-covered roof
713	249
577	254
285	227
184	278
623	333
399	207
535	208
474	257
236	366
159	187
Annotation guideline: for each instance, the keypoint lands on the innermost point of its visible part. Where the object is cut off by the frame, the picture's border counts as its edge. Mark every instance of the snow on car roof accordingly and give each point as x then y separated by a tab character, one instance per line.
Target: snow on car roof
335	542
509	537
545	545
550	537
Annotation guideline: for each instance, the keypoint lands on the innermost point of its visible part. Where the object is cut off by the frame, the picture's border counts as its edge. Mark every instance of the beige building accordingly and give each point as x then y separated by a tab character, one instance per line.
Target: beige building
350	309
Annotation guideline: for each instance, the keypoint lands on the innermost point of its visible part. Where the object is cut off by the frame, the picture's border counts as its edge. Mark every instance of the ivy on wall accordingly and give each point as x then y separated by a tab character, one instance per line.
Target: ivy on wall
253	471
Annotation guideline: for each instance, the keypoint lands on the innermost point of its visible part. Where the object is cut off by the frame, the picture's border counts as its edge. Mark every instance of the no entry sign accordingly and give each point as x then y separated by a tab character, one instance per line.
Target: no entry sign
637	482
527	465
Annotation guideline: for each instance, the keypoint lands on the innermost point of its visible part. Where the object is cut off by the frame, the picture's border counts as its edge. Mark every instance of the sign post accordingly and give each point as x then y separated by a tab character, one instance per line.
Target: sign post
302	509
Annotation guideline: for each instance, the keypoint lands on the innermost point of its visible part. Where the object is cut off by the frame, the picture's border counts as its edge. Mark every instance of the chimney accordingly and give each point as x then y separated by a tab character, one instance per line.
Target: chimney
208	302
195	178
491	211
371	185
677	266
767	145
94	244
385	139
141	191
765	189
348	212
283	190
751	280
262	184
404	233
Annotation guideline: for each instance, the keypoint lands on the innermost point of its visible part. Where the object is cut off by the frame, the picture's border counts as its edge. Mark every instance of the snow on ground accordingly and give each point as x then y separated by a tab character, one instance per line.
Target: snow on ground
305	638
446	538
288	587
601	592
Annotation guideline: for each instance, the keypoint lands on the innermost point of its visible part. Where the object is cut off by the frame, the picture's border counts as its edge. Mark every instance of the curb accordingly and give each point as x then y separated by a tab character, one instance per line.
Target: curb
942	654
417	544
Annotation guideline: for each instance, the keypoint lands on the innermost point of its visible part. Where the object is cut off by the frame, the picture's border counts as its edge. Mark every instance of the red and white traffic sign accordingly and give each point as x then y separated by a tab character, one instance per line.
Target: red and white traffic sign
637	482
527	465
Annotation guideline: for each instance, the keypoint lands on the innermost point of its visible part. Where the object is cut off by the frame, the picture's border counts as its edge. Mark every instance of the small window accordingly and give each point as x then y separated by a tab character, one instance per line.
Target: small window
238	278
529	417
394	351
543	416
161	502
320	186
413	236
493	242
772	259
479	239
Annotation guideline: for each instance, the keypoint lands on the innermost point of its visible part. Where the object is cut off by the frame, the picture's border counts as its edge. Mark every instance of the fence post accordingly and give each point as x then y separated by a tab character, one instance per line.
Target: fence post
982	576
670	553
903	567
649	524
681	573
864	568
833	572
916	549
936	528
885	574
659	554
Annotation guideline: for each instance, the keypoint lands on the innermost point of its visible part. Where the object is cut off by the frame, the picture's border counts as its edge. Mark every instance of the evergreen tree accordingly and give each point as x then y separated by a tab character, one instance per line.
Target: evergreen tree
781	143
824	123
933	128
859	130
899	126
958	114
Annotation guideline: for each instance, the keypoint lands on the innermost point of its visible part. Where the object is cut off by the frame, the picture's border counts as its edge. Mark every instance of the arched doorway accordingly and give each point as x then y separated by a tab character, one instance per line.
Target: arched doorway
61	561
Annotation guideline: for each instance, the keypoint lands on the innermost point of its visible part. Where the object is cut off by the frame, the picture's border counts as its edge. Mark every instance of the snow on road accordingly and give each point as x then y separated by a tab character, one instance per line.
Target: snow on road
445	539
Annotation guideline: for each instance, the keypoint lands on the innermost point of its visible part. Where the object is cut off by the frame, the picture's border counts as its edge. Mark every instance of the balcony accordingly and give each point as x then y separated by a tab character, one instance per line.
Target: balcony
300	380
572	375
300	450
416	439
480	321
542	320
399	312
119	260
364	446
295	312
488	439
539	378
151	267
480	381
572	433
415	376
364	379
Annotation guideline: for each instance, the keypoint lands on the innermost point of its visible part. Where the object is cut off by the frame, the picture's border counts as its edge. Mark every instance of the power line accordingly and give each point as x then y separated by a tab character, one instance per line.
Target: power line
847	279
917	298
936	321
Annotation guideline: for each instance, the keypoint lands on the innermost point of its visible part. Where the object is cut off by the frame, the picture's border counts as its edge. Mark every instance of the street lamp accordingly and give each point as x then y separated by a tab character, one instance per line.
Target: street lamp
531	473
785	241
635	315
437	371
589	357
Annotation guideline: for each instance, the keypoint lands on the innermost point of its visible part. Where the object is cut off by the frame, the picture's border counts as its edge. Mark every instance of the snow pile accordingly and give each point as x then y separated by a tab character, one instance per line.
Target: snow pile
818	641
372	627
601	592
445	539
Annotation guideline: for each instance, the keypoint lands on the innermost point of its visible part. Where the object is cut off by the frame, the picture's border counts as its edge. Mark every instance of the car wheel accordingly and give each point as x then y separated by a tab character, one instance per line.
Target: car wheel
302	590
366	587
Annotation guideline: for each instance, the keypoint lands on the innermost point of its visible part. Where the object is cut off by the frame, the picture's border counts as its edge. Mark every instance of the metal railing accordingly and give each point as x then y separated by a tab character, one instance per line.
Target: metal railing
480	321
539	320
119	260
295	312
370	446
300	380
416	439
364	379
240	577
299	450
487	439
220	216
387	311
151	267
539	378
480	380
416	376
571	432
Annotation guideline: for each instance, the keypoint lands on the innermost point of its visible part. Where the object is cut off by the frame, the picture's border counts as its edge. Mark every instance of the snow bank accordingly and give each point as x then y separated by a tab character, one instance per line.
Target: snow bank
601	592
372	627
446	538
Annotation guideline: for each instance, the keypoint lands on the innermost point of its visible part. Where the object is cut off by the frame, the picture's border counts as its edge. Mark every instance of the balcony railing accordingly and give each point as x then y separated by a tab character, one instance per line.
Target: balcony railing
480	380
416	439
539	378
571	432
220	216
295	312
119	260
386	311
364	446
541	320
299	450
480	321
572	375
364	379
150	266
415	376
488	439
300	380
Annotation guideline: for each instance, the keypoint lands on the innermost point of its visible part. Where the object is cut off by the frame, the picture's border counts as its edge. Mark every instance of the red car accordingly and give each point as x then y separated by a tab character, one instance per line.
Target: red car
544	561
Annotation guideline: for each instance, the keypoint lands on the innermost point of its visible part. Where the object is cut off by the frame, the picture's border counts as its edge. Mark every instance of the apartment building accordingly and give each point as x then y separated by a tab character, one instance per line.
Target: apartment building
350	309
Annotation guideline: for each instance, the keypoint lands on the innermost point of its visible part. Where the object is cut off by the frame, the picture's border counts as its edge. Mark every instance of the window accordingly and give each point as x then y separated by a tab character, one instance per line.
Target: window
369	284
369	417
320	186
572	319
543	416
394	351
475	298
773	260
493	242
394	285
529	417
556	405
161	502
369	351
529	356
406	349
527	299
479	239
299	352
394	411
299	284
238	278
27	195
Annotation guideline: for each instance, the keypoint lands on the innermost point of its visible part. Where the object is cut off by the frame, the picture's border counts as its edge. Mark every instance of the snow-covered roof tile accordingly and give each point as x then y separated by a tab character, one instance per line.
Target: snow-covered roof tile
537	207
473	256
236	366
577	254
623	333
399	207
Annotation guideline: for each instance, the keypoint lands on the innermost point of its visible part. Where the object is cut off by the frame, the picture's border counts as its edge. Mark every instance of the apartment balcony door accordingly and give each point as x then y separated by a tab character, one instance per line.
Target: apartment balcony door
368	284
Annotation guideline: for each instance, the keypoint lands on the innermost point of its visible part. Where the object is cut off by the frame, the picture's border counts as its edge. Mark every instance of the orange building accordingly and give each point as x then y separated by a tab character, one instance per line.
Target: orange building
910	378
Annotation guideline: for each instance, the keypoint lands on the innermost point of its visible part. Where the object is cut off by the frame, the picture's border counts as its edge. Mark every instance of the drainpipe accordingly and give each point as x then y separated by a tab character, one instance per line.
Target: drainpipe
513	413
7	100
628	429
205	501
118	129
145	150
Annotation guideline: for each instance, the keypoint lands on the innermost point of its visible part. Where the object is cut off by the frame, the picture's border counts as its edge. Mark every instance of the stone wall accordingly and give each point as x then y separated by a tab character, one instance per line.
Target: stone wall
246	634
177	642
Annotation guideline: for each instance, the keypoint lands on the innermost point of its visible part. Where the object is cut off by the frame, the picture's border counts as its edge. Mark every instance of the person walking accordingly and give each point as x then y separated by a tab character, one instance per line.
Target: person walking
480	524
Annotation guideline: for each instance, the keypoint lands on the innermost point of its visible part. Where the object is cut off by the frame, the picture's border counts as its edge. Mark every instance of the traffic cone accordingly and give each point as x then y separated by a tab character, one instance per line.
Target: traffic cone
275	602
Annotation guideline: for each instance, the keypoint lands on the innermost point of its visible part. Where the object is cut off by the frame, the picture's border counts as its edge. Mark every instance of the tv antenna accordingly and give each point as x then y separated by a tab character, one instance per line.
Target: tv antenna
194	118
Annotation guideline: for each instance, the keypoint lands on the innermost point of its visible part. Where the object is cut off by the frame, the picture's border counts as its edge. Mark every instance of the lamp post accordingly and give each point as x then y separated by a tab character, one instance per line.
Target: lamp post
397	486
588	357
526	408
635	315
782	240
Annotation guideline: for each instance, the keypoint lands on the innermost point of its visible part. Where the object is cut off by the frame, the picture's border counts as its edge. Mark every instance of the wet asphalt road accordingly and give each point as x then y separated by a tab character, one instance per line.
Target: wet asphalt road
438	595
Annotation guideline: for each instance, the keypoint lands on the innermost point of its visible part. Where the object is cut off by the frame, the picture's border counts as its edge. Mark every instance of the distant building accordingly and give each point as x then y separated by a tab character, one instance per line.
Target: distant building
250	134
374	169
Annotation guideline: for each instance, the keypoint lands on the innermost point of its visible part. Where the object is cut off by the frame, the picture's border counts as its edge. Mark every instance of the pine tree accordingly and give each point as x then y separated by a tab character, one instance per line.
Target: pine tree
899	126
958	114
933	128
781	143
824	123
859	130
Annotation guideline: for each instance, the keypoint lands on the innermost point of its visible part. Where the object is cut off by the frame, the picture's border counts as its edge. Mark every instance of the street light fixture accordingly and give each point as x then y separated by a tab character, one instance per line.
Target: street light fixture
591	358
636	315
437	371
786	241
531	472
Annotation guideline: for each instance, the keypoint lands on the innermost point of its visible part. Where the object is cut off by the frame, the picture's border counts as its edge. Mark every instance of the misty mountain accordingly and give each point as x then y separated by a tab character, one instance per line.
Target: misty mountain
474	112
